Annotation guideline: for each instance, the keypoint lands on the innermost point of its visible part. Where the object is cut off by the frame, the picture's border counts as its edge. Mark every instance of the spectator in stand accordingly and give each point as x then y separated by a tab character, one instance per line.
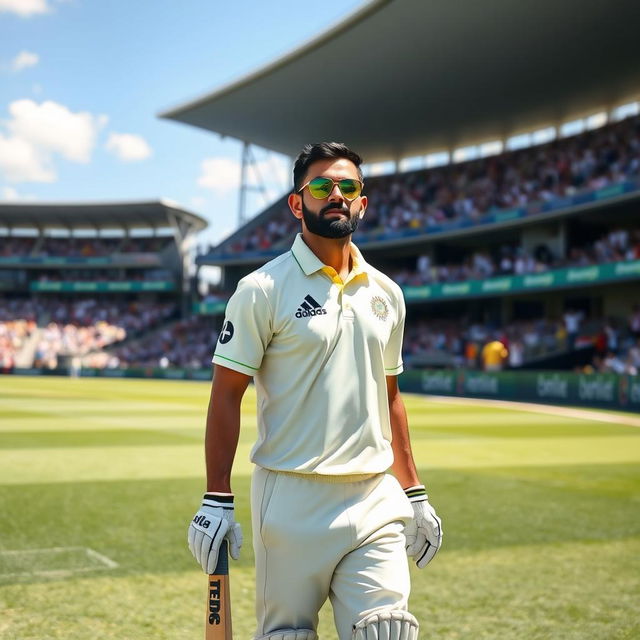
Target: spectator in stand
612	336
634	355
634	321
494	354
471	354
572	320
600	343
613	364
516	354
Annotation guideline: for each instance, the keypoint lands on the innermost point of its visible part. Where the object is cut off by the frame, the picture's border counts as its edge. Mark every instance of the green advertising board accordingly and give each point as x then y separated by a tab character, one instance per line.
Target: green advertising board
605	390
101	287
558	278
210	308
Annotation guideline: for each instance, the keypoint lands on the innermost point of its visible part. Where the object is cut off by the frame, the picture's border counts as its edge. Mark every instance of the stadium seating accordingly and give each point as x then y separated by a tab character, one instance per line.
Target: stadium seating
133	331
465	194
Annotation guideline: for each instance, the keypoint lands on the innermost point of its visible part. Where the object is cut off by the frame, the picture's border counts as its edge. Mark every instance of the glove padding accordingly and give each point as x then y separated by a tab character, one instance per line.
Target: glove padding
424	532
213	523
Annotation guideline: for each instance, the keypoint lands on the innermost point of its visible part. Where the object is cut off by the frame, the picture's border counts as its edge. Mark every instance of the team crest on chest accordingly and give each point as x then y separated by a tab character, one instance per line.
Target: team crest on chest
379	308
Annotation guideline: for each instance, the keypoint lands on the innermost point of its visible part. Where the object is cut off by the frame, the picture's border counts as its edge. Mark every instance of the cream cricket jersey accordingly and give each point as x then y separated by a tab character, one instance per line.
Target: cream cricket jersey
319	351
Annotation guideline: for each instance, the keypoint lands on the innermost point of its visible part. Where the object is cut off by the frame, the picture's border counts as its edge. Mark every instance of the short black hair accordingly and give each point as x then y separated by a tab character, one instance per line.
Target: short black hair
321	151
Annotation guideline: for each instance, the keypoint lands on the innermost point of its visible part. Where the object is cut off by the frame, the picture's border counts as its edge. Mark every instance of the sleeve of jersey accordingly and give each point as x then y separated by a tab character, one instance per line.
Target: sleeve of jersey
246	331
393	352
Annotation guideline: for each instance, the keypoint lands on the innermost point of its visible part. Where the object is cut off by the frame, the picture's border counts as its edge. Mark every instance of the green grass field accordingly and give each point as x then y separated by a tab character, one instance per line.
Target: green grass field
540	512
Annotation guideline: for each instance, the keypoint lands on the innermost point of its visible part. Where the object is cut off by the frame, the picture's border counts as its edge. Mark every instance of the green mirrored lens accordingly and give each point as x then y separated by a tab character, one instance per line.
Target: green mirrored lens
320	187
350	188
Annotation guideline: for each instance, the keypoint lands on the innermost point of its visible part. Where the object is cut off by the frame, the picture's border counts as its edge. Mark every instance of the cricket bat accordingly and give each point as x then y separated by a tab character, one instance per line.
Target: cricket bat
218	622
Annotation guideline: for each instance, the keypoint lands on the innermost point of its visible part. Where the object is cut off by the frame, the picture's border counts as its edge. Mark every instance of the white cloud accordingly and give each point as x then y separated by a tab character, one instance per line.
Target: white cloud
54	127
219	174
24	8
128	147
9	194
36	133
20	161
24	60
222	174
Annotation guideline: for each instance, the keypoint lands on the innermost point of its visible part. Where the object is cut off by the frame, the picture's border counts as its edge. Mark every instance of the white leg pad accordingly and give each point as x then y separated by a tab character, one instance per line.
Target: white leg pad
387	625
290	634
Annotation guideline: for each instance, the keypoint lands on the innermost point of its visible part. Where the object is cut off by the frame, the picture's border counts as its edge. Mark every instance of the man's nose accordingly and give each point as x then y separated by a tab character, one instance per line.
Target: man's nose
336	194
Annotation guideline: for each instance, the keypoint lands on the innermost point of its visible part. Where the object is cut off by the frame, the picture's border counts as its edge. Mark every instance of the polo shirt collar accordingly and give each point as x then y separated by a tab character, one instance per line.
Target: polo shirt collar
310	263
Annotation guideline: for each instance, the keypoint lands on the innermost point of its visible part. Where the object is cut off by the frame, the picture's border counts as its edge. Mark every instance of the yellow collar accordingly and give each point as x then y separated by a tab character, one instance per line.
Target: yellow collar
310	263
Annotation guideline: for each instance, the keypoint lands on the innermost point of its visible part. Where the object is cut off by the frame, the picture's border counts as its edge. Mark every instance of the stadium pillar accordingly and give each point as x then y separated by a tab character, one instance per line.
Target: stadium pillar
248	160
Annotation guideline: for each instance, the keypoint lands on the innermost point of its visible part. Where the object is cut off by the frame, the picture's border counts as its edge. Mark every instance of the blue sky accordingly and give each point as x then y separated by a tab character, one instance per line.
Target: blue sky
81	82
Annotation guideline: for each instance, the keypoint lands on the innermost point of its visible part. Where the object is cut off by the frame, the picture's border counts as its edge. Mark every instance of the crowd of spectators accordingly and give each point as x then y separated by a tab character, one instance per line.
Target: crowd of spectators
273	235
104	275
458	343
72	340
137	334
75	247
617	245
469	191
73	327
17	324
461	343
80	327
12	246
187	343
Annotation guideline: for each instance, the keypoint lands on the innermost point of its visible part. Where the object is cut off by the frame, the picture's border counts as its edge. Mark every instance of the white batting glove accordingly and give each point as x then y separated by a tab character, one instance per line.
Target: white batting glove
210	526
424	532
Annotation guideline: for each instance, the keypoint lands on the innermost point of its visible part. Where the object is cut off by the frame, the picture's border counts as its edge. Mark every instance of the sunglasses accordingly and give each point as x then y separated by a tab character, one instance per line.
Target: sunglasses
321	188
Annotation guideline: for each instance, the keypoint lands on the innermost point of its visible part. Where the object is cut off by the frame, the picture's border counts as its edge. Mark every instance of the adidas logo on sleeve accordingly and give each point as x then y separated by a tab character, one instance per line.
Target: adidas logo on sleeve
310	307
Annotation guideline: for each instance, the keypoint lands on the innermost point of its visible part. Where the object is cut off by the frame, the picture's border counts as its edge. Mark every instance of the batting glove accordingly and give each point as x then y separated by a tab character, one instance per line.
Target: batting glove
210	526
424	532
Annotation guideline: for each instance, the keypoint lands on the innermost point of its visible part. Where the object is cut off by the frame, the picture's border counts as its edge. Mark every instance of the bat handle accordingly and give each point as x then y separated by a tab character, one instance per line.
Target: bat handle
222	568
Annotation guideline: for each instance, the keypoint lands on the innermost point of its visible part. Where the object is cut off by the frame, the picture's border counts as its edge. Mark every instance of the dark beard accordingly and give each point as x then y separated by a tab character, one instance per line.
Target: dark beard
330	227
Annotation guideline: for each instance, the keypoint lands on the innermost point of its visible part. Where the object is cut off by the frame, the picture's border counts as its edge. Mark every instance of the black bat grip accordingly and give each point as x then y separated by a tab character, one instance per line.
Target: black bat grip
222	568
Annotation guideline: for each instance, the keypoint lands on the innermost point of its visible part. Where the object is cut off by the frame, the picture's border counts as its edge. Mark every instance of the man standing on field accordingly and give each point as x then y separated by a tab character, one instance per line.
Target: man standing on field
320	331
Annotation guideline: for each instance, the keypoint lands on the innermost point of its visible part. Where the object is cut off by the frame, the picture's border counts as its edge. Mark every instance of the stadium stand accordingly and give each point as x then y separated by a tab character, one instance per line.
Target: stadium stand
575	211
461	195
55	259
602	235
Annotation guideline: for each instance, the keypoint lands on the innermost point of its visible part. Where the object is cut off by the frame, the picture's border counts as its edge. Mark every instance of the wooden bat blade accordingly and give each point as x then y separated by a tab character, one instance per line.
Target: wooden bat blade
218	620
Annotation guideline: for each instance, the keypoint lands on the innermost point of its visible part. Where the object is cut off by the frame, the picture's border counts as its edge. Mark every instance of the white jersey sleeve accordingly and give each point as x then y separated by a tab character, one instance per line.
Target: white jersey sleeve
393	351
247	329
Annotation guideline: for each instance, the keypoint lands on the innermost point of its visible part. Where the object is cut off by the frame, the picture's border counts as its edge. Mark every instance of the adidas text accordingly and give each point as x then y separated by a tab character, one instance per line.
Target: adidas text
303	313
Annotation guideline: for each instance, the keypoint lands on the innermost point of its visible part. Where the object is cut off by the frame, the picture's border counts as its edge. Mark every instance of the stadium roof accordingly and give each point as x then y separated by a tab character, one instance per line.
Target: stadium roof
156	214
402	77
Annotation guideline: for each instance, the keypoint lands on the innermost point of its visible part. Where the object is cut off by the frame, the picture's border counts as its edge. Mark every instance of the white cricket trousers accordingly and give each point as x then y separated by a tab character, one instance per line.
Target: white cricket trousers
316	538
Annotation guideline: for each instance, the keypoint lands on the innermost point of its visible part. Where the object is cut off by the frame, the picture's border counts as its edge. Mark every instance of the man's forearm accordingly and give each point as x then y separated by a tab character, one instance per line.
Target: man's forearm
403	467
221	442
223	427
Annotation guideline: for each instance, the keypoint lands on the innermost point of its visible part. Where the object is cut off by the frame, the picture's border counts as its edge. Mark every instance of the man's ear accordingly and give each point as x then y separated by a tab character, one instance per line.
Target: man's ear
295	204
363	206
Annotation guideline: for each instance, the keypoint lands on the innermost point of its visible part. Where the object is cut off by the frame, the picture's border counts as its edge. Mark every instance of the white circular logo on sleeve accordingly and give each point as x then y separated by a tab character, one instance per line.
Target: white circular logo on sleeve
226	333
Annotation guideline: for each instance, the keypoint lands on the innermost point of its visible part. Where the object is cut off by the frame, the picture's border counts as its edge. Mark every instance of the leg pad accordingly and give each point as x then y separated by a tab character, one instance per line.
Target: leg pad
387	625
290	634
